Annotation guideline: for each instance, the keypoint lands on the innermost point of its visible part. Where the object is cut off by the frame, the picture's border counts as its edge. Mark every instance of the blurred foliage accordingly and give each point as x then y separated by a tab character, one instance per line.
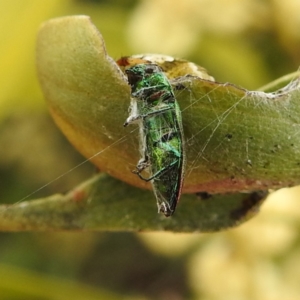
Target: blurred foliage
251	44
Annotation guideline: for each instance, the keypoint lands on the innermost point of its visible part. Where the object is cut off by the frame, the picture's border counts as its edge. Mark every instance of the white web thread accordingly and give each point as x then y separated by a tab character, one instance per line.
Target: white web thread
120	140
219	119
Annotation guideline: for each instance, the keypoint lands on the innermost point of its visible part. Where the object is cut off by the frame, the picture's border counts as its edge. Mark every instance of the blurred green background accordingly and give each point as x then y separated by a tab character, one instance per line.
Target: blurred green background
246	42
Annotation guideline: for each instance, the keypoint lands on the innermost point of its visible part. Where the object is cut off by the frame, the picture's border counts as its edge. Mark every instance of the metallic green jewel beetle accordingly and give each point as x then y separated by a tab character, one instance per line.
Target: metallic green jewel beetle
155	109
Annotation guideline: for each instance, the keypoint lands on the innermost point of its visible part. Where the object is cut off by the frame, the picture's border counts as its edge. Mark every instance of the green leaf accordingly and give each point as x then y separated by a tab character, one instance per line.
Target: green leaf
104	203
236	141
